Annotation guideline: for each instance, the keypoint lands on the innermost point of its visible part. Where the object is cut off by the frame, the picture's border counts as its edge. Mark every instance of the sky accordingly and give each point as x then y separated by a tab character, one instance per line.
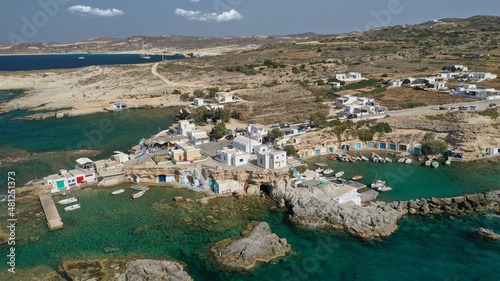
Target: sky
67	21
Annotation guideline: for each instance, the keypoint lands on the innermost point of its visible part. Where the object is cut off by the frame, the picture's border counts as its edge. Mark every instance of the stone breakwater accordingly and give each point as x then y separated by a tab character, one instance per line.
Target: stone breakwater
258	244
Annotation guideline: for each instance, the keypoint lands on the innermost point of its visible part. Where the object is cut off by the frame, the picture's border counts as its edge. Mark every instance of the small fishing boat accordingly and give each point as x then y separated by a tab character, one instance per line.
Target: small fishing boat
408	161
117	191
319	170
447	162
401	160
381	160
339	174
331	157
138	194
81	58
321	164
428	163
364	158
73	207
435	164
389	160
68	201
352	159
327	171
384	188
376	160
357	178
377	184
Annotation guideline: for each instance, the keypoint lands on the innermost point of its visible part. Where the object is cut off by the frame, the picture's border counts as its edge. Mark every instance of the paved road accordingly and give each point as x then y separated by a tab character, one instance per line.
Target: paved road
481	105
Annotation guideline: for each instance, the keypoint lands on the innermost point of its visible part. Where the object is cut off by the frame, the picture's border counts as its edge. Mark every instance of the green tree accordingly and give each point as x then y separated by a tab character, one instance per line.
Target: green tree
222	114
176	92
320	82
275	133
185	97
235	115
290	150
219	131
382	127
212	91
434	147
199	93
406	81
318	119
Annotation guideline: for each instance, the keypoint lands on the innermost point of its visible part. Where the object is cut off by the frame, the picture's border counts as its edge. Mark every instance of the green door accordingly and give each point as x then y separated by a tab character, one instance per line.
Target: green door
60	184
416	150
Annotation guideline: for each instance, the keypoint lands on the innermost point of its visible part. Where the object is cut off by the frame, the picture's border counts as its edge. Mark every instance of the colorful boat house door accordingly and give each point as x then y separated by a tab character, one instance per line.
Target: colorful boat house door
392	147
60	184
318	152
358	145
383	145
162	178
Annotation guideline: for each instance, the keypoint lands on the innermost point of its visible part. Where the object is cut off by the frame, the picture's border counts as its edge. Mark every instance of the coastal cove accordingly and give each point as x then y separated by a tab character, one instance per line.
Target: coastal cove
156	226
38	148
64	61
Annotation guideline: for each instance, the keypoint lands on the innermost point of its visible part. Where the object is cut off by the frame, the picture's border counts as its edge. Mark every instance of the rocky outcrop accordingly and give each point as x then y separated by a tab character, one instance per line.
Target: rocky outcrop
143	270
259	244
122	269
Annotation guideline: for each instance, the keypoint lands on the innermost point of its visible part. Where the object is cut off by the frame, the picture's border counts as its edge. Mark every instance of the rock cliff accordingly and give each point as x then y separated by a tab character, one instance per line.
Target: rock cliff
259	244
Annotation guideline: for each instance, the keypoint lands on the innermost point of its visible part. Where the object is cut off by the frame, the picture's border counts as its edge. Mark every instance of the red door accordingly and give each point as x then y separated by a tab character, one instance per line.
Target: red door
79	179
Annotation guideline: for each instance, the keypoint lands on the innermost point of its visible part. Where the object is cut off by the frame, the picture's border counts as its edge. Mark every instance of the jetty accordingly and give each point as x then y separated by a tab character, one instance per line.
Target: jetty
54	221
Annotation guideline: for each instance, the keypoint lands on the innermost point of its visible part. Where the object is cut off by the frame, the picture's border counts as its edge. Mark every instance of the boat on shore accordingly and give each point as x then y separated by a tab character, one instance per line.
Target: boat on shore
408	161
357	177
364	158
331	157
401	160
319	170
67	201
117	191
388	160
321	164
428	163
138	194
73	207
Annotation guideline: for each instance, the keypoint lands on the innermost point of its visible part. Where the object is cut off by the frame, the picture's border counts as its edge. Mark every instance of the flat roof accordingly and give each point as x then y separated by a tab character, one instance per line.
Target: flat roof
83	161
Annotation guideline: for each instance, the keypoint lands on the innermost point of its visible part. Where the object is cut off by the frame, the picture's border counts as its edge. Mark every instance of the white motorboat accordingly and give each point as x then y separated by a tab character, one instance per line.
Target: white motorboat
388	160
435	164
384	188
375	159
118	191
447	162
401	160
339	174
319	170
408	161
378	184
68	201
364	158
81	58
73	207
327	171
428	163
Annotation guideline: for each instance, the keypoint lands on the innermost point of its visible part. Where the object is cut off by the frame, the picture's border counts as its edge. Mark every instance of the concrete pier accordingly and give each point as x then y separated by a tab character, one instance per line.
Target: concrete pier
54	221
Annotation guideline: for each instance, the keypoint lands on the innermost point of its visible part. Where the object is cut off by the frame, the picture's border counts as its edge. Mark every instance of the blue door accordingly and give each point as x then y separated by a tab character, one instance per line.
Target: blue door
358	145
383	145
392	147
162	178
318	152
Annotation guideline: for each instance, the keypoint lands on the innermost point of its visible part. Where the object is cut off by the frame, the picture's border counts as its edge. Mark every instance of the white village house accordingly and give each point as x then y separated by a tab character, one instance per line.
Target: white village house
350	76
225	97
272	160
245	144
234	157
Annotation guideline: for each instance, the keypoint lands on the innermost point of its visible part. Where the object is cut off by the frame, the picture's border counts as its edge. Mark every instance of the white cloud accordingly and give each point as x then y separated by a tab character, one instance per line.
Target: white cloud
197	15
89	11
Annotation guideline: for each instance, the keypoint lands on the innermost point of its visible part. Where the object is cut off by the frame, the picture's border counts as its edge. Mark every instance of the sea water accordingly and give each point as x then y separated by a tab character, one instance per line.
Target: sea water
41	62
154	226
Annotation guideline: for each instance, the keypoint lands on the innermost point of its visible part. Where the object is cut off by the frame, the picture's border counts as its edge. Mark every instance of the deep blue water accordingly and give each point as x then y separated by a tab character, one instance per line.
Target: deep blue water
41	62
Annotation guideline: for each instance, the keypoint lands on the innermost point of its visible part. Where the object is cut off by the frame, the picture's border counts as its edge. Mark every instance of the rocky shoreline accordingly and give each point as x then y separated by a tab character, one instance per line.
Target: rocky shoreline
258	244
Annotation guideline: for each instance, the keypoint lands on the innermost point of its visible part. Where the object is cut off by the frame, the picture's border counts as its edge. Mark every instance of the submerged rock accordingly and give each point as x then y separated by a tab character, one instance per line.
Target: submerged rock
143	269
487	233
259	244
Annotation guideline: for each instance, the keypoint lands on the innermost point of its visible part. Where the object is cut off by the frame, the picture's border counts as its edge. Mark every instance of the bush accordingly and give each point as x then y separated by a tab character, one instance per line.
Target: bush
275	133
245	69
219	131
381	127
318	119
176	92
290	150
365	135
490	112
434	147
361	84
302	168
184	97
320	82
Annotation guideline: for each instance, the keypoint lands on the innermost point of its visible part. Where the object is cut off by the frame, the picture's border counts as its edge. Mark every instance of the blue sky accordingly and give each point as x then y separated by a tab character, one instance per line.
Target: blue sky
74	20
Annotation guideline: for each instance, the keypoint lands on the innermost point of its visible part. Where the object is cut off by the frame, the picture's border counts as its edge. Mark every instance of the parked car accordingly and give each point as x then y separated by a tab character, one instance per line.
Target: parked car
342	117
443	108
453	108
285	126
352	116
493	104
473	107
229	137
463	107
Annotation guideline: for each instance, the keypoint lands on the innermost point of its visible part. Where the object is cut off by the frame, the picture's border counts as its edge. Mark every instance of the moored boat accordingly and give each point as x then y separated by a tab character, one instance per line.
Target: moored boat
339	174
384	188
319	170
428	163
138	194
377	184
73	207
435	164
67	201
327	171
389	160
364	158
357	178
331	157
401	160
447	162
408	161
118	191
321	164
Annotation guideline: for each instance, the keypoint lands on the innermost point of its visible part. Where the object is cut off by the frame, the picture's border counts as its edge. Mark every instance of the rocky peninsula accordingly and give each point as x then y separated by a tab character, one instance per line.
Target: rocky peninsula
258	244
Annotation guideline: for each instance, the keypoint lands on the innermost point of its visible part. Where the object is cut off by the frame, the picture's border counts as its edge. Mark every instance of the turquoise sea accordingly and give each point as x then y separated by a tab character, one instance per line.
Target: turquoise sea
41	62
432	248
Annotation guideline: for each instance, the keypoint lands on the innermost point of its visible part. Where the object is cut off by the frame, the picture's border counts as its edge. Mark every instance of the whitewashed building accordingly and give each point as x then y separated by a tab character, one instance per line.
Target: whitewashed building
350	76
183	127
245	144
347	193
346	99
256	131
198	137
272	160
225	97
234	157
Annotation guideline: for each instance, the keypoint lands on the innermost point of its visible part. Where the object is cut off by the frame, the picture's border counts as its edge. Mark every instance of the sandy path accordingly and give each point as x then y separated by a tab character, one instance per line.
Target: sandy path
154	71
